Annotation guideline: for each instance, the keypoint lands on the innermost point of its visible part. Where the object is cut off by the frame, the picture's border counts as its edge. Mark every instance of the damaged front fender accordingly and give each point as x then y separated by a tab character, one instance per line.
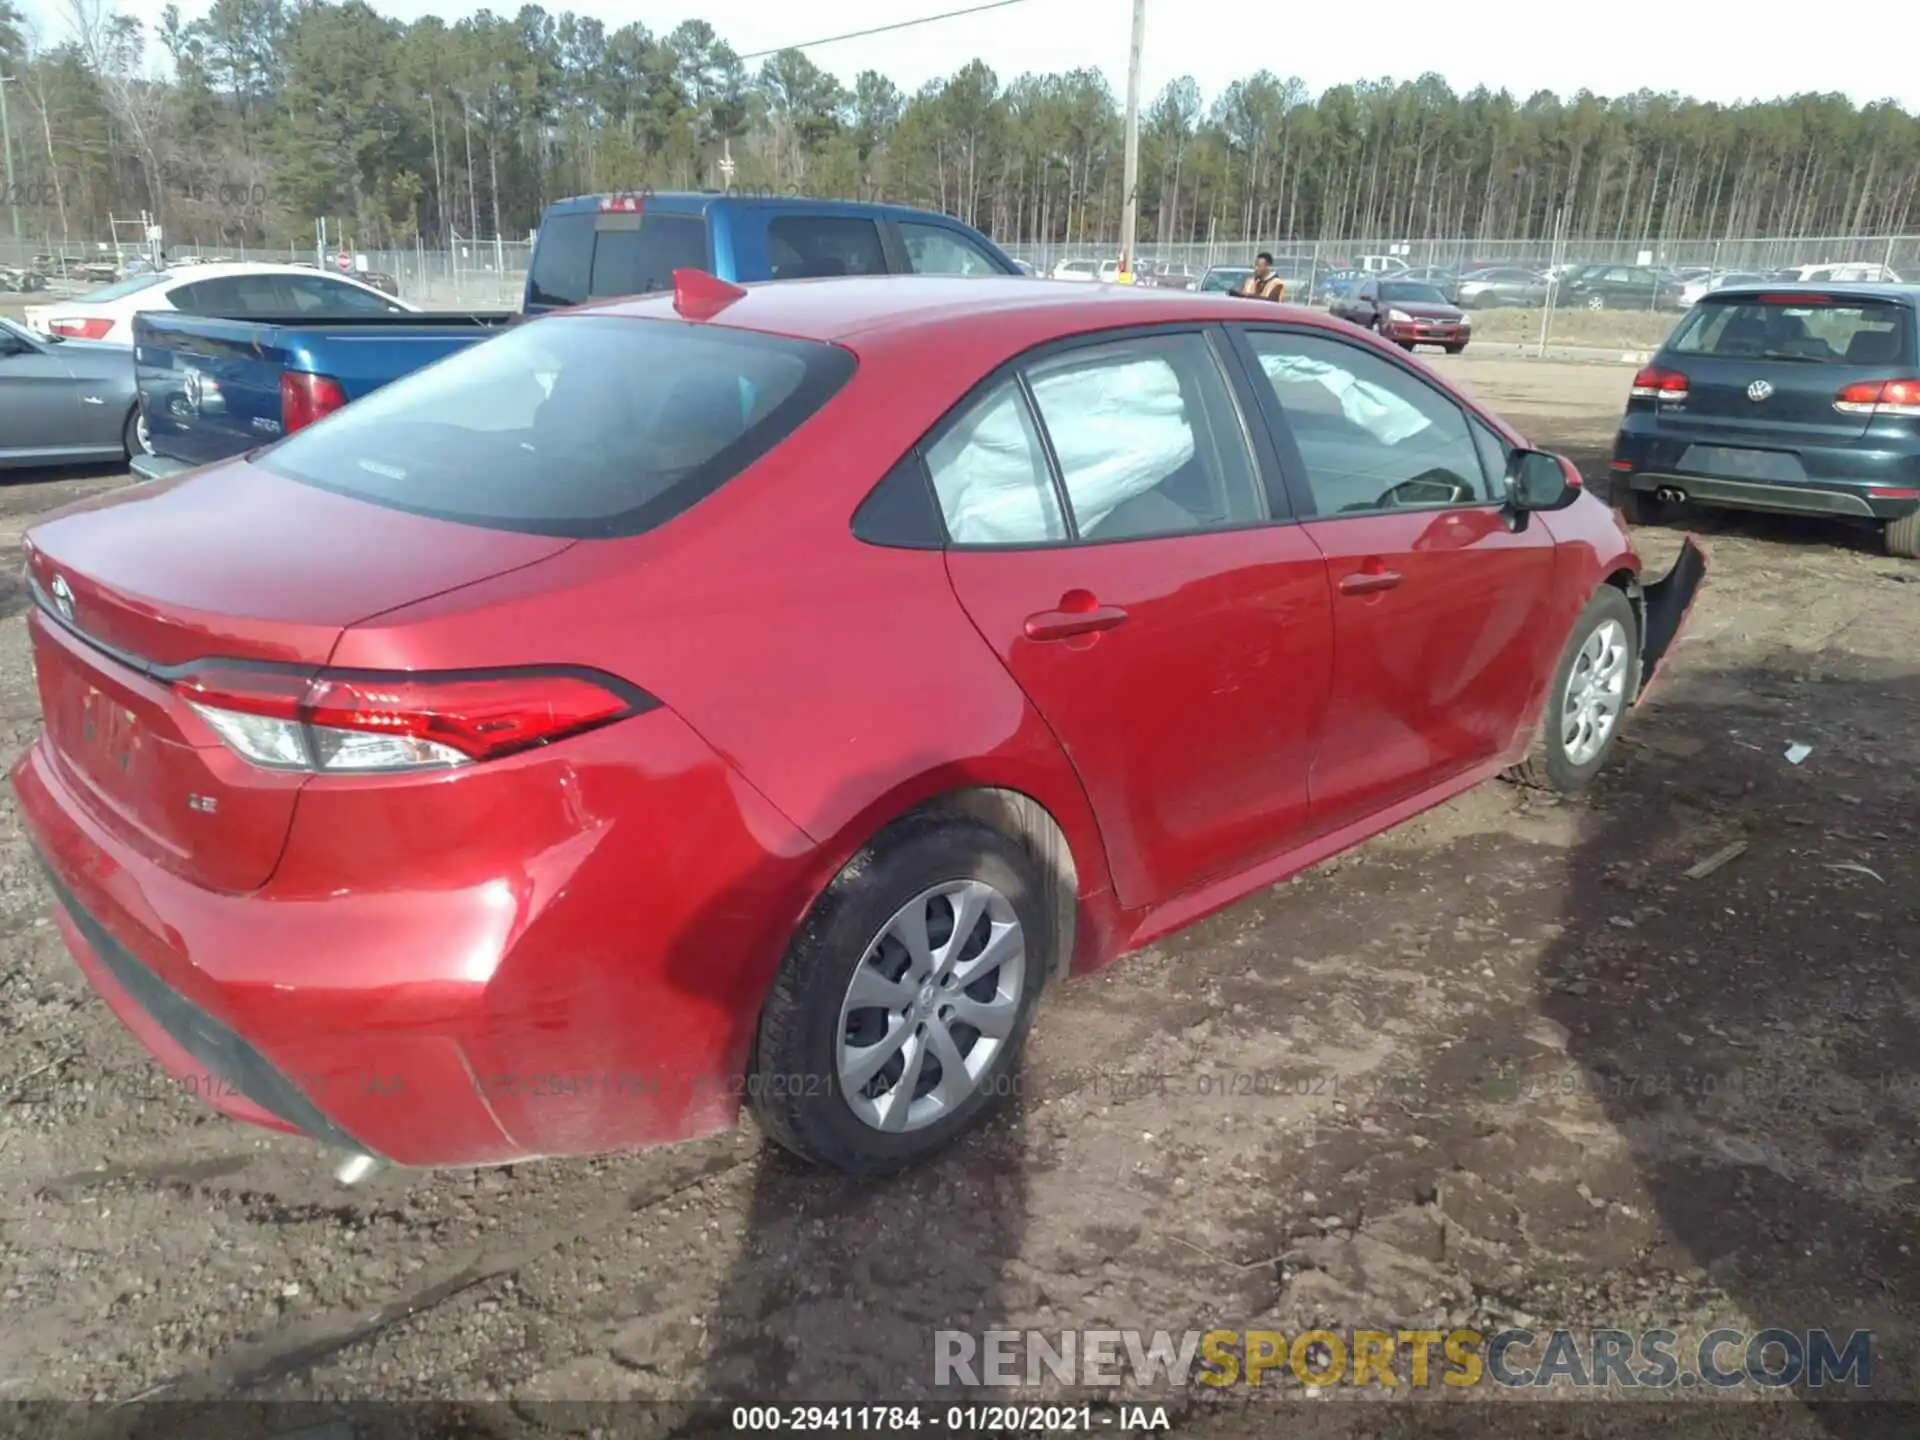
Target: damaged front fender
1664	608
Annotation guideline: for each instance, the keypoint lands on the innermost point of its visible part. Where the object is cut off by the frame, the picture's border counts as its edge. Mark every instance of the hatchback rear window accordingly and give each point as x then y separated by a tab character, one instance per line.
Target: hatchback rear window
578	425
1811	329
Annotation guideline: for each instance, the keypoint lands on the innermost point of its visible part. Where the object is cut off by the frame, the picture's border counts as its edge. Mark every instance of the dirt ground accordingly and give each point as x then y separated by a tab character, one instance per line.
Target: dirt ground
1528	1073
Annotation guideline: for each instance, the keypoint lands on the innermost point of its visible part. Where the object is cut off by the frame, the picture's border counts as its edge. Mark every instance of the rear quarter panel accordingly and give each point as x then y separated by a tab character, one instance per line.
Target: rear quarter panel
843	680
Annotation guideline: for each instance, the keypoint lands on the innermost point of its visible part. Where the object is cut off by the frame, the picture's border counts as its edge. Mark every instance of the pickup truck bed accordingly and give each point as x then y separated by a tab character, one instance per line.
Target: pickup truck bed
215	387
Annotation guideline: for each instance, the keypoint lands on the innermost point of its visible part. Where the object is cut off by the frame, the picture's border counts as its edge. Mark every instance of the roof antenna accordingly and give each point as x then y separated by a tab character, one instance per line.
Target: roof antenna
700	296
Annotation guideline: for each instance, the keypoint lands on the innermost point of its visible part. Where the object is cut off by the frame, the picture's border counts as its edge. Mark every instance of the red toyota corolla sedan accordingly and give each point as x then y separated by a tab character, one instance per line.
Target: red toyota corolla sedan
764	694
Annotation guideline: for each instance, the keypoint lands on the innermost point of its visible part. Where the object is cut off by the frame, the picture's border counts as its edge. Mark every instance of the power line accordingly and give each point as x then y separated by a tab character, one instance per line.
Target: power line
883	29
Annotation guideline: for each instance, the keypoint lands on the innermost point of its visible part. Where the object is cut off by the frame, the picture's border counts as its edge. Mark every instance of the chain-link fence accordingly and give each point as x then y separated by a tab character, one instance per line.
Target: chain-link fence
484	274
1900	253
491	274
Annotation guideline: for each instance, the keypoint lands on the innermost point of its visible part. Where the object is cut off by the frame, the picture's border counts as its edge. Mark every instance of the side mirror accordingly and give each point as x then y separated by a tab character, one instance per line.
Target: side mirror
1539	481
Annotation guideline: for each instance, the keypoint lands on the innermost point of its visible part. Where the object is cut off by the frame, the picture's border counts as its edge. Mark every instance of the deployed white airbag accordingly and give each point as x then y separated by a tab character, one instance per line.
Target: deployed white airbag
1382	413
1119	430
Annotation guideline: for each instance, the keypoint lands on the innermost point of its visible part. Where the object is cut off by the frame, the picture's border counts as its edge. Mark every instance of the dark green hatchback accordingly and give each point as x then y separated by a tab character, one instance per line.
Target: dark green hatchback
1790	398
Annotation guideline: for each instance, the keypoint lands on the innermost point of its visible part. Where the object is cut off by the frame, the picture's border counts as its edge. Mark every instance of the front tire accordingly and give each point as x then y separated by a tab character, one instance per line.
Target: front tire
1455	349
897	1017
1596	302
1594	683
1903	537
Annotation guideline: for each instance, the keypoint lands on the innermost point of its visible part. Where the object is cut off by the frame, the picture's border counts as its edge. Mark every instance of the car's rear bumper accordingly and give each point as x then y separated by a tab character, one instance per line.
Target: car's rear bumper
1809	498
589	985
1876	478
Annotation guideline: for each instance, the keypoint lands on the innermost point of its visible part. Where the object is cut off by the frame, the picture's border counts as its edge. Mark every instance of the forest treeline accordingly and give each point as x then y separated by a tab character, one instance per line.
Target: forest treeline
272	113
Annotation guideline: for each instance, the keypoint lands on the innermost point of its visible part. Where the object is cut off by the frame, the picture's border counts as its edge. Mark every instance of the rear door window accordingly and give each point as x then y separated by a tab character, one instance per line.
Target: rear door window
577	425
318	295
811	246
936	250
1811	330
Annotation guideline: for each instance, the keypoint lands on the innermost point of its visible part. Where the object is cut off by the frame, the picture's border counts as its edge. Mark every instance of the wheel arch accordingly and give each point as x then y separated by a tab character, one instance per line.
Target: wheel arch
1065	862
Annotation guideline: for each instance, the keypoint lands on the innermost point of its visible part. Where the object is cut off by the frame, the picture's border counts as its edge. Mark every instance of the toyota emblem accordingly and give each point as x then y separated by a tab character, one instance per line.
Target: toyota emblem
1759	390
63	598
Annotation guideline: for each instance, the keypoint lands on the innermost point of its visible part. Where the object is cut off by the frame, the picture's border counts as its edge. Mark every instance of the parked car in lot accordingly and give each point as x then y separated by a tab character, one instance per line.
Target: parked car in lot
1622	287
1694	289
1799	401
497	727
1406	312
214	387
65	402
1224	279
1502	286
1843	272
1080	269
1441	277
107	314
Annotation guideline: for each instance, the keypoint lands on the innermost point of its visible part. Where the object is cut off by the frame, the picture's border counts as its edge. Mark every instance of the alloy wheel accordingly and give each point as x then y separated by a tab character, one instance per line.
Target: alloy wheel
932	1002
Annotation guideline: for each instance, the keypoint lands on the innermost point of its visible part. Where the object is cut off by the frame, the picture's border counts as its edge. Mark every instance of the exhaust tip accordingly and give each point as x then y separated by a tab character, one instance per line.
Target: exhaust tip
356	1168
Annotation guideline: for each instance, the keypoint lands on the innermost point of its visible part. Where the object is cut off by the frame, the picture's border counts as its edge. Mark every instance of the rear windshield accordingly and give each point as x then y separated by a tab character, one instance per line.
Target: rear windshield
133	284
589	255
1817	330
578	425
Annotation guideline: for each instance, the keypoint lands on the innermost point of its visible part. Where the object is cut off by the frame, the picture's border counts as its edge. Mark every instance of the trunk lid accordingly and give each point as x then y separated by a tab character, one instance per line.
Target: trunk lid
231	563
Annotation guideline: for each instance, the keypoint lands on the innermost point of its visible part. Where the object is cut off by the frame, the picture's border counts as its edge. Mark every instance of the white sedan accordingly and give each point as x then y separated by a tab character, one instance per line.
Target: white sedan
236	291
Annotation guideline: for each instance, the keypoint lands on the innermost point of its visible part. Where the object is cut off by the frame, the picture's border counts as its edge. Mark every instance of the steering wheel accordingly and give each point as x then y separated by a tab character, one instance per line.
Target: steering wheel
1433	487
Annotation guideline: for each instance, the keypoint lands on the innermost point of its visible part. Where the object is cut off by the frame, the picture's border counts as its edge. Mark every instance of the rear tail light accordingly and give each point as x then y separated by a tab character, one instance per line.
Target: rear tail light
1654	383
80	329
305	398
1879	397
361	721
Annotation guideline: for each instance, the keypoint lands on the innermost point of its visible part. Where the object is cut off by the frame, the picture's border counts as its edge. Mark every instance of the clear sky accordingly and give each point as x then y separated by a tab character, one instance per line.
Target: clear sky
1721	50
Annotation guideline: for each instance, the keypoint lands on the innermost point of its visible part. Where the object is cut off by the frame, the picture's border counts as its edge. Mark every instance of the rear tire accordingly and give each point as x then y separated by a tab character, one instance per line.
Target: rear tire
1587	700
813	1024
133	436
1903	537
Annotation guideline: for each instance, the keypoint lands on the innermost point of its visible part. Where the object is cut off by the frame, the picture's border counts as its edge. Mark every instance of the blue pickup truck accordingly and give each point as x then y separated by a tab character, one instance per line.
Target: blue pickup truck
211	388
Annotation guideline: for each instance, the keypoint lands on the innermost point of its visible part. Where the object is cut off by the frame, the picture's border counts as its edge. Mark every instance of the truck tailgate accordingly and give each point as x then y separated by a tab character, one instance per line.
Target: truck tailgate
210	388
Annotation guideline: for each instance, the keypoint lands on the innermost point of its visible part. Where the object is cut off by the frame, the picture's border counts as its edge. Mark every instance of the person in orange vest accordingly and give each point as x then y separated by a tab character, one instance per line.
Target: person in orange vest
1263	284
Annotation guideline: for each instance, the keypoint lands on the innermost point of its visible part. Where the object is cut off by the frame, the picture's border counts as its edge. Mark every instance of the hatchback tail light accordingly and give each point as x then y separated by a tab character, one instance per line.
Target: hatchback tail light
305	398
1655	383
360	721
1879	397
80	329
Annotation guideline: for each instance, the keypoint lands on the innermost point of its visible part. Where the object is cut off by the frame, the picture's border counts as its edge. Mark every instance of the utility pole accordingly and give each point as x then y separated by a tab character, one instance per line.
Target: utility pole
1130	184
6	139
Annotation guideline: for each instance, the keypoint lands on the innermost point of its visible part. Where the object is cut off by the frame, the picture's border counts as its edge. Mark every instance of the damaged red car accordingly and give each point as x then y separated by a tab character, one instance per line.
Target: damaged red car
765	695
